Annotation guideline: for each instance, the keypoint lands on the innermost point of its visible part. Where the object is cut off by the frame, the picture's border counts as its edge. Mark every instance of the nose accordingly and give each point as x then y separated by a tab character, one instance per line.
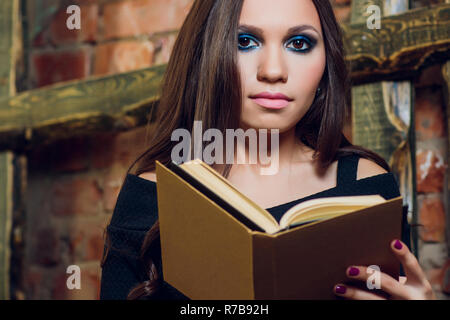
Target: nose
272	67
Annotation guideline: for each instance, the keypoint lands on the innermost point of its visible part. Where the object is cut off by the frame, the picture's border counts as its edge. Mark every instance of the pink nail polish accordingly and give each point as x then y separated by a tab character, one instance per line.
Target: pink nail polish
397	245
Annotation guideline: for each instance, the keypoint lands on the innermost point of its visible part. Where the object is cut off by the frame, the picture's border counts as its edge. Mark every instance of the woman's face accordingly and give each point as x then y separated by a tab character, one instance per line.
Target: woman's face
274	58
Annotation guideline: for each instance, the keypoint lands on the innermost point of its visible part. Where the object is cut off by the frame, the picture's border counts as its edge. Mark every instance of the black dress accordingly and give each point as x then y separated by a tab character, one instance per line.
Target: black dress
136	211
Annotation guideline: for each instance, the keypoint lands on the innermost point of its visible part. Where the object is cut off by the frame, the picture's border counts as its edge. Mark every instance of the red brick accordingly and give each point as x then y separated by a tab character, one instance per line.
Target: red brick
94	249
90	285
432	216
33	282
46	247
430	170
133	18
48	67
342	14
446	277
429	113
164	47
130	144
112	183
73	155
60	34
77	244
430	76
102	150
40	39
86	240
117	57
122	148
75	196
68	155
59	288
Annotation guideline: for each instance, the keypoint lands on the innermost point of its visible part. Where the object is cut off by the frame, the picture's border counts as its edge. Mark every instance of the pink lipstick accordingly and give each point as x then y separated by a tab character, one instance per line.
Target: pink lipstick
271	100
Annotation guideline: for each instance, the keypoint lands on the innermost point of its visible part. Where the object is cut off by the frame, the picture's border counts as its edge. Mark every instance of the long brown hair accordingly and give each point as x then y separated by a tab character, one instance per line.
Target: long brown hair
202	82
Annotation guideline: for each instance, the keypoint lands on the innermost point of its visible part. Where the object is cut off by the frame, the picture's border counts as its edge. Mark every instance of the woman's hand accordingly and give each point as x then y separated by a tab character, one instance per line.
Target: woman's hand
414	287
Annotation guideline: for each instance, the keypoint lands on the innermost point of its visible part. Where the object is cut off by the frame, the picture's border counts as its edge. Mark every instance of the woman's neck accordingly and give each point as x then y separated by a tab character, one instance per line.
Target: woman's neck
282	151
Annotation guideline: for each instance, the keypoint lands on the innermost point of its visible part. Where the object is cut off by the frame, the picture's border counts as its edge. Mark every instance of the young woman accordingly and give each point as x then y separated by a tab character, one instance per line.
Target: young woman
229	61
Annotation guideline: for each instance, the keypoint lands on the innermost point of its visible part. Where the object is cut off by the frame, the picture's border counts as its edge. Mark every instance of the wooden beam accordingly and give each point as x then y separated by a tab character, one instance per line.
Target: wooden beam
403	44
110	103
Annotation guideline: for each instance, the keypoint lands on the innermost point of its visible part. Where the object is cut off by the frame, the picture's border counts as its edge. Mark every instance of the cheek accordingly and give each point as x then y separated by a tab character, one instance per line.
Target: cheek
247	71
305	74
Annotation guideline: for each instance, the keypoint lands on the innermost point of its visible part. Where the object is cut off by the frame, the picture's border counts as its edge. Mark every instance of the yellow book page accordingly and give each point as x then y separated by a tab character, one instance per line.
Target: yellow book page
324	208
202	172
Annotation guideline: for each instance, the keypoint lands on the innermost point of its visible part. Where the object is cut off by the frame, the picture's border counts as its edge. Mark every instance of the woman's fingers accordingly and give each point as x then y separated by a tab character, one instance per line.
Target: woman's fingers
413	271
385	282
353	293
411	266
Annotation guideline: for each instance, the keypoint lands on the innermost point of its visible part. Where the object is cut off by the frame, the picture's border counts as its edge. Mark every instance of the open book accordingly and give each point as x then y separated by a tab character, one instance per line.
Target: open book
218	244
214	185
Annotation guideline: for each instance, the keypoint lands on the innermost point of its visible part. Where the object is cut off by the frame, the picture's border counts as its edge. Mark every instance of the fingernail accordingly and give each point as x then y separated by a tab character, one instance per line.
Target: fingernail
340	289
353	271
398	245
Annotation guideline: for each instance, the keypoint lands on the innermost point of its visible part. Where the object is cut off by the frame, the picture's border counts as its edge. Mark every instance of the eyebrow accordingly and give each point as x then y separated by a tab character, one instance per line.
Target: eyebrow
259	32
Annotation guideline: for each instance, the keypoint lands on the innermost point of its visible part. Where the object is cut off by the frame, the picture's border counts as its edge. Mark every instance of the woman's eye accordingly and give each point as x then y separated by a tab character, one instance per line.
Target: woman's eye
245	41
301	45
297	44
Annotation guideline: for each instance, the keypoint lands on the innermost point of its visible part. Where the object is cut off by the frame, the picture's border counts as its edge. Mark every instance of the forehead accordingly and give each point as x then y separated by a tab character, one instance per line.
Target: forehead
279	15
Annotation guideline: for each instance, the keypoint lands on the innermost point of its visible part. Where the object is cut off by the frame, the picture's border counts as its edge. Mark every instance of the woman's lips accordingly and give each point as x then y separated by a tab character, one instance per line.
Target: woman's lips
271	103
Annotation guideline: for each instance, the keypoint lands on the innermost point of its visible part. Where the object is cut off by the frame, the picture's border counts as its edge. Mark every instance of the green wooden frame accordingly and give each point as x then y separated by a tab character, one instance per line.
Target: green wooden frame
9	14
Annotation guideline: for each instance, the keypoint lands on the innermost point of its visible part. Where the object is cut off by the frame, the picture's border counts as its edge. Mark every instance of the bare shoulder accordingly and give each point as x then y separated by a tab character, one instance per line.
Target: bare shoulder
151	175
368	168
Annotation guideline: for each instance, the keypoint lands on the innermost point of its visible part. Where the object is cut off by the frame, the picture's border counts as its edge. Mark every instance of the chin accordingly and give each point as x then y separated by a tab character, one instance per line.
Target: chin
279	124
256	118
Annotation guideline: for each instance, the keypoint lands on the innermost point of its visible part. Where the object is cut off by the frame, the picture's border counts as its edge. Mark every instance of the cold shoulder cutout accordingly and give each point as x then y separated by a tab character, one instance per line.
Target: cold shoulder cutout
383	184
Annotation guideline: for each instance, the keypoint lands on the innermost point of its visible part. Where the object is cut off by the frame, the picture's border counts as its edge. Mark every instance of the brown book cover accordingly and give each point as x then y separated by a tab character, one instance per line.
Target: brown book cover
207	253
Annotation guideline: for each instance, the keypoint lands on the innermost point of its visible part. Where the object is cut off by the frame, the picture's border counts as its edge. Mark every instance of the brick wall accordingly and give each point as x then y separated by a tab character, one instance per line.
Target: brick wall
73	184
432	159
72	189
115	36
